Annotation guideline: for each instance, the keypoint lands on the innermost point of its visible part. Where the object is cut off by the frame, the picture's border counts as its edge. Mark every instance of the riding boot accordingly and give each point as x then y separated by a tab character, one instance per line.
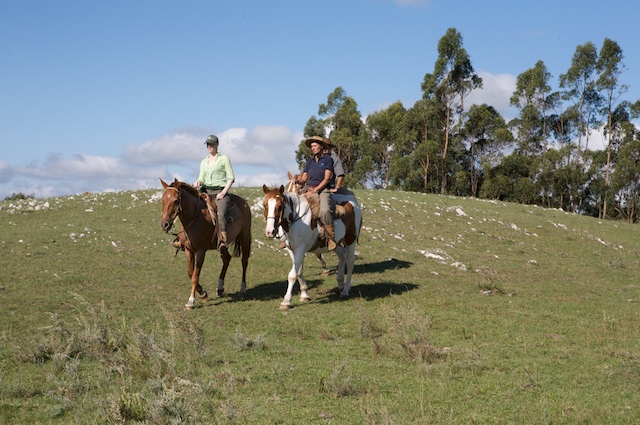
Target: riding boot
177	244
329	234
222	243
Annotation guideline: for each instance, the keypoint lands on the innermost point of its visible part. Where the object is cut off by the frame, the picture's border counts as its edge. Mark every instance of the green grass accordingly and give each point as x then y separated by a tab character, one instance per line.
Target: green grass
461	311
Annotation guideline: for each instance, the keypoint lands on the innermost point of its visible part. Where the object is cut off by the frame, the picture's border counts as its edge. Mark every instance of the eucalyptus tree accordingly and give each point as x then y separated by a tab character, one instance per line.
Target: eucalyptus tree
511	180
451	82
609	68
531	99
487	134
384	129
625	179
580	84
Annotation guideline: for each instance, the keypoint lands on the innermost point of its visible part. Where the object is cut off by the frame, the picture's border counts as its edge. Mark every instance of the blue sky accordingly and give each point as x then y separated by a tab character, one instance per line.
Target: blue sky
113	95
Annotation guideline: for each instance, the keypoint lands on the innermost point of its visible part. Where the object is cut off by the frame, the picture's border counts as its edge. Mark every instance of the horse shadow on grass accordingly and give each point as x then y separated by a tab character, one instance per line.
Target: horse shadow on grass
271	291
381	266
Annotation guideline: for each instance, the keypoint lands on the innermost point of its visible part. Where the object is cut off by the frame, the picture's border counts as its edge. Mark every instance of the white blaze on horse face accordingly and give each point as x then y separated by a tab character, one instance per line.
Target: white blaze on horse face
270	230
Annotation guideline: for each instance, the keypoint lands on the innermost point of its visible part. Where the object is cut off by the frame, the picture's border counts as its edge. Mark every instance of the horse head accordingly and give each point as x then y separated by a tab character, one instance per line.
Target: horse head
293	186
273	209
171	204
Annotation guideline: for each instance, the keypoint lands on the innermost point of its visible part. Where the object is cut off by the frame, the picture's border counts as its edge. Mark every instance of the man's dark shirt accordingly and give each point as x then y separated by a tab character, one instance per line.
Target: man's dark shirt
315	170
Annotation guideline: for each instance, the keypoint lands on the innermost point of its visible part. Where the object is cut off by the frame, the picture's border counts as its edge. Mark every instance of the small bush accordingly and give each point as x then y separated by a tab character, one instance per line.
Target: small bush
241	342
19	196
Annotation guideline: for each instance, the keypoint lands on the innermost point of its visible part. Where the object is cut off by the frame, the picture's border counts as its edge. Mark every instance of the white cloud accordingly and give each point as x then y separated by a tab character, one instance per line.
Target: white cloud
5	172
178	148
75	167
260	156
597	141
496	91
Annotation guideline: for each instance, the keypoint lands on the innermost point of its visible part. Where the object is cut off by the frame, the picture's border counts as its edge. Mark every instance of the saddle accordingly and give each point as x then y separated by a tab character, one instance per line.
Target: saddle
338	212
233	212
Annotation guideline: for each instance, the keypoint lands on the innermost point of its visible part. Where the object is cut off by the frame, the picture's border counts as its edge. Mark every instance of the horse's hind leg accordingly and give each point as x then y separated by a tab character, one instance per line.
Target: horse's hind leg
350	261
325	269
246	250
226	258
340	253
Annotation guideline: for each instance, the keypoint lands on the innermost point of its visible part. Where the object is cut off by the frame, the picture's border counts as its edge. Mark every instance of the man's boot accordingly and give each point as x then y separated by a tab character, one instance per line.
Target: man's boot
329	234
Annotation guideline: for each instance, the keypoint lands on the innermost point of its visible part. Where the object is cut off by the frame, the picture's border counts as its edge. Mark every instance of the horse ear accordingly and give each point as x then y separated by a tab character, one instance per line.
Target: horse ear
290	176
281	189
164	184
265	189
175	182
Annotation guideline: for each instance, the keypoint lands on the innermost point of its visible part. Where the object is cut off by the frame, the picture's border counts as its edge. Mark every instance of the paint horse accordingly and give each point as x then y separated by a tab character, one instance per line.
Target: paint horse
198	232
290	214
294	187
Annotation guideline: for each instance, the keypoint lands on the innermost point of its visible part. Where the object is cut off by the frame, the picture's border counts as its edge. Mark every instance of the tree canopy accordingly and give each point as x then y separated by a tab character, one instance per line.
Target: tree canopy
441	144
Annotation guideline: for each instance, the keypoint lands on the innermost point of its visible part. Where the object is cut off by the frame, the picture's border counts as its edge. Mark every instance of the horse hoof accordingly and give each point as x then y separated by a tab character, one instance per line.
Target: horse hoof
220	292
305	300
284	306
326	272
204	296
344	295
188	307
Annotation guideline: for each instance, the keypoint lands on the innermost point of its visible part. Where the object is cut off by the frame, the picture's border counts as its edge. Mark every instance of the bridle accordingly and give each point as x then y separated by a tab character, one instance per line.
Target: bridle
278	219
179	209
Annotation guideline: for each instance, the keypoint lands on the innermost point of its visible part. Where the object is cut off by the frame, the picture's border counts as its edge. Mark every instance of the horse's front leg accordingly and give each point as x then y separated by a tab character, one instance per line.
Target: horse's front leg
195	262
296	273
226	258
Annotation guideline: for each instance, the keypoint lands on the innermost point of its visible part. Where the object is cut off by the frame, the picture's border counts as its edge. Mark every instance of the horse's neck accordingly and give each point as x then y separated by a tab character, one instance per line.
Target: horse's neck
191	206
299	205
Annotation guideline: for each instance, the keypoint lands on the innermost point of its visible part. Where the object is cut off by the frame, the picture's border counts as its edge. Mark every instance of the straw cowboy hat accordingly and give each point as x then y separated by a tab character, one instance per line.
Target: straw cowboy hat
325	142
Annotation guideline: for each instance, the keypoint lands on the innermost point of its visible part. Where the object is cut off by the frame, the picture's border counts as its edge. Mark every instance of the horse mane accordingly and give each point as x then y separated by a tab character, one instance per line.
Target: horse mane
192	190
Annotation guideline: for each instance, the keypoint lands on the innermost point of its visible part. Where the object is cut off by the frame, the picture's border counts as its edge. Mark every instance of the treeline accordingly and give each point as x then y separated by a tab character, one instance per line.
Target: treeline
542	157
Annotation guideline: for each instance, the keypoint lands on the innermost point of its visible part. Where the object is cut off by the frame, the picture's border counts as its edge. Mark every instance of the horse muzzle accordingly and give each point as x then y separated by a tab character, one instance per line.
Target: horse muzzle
166	225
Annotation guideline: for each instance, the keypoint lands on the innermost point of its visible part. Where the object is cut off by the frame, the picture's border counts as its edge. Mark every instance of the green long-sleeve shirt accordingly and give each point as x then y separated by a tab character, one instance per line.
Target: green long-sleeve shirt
216	174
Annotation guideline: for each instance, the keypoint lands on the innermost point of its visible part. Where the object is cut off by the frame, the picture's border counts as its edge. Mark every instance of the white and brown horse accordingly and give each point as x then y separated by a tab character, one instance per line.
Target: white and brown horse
198	233
290	214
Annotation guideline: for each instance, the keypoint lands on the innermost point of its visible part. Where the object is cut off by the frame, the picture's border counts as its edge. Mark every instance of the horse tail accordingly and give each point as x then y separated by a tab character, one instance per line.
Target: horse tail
237	248
241	240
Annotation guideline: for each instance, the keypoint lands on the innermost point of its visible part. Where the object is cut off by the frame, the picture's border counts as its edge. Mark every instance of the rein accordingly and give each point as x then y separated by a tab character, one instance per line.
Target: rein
179	209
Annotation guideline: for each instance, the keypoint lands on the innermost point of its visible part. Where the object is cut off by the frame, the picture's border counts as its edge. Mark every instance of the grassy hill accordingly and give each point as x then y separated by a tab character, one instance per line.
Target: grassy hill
462	311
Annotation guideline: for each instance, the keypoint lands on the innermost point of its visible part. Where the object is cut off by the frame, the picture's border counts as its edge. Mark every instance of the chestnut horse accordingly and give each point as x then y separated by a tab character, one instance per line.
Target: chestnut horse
198	232
290	215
